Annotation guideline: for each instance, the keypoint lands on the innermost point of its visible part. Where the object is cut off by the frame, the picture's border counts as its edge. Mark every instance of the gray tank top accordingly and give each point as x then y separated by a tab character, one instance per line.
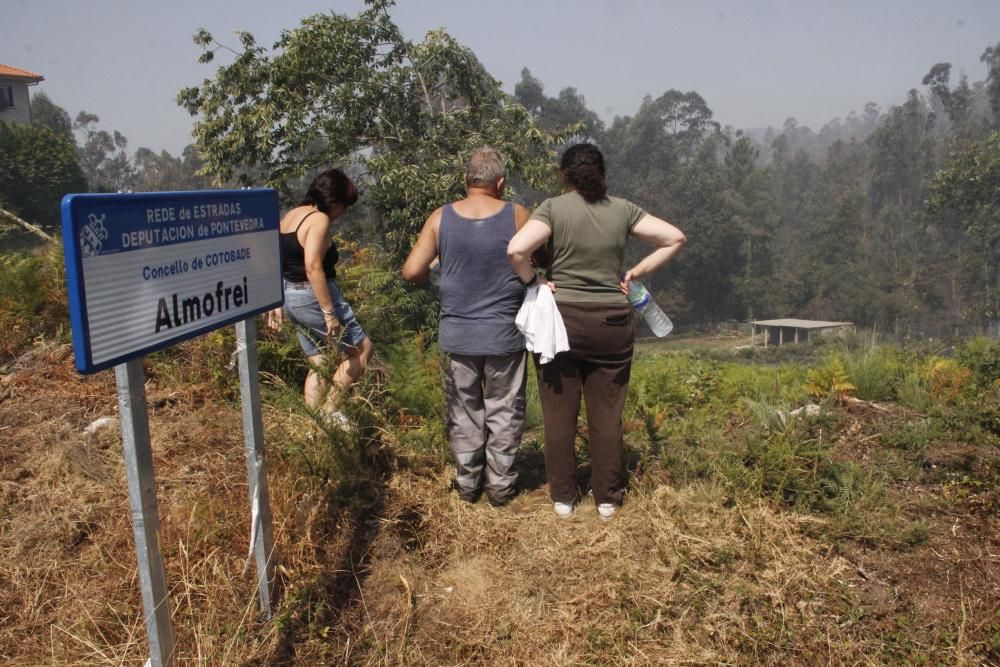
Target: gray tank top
480	293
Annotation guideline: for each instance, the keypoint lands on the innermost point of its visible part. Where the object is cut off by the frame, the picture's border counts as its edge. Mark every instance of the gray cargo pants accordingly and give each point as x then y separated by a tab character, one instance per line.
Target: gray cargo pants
485	405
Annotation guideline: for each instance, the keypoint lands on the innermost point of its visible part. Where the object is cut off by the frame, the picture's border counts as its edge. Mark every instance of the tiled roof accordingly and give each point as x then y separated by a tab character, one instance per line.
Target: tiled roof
8	72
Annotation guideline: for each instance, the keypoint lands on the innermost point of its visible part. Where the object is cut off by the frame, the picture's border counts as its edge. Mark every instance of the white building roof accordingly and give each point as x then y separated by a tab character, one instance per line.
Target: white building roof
802	324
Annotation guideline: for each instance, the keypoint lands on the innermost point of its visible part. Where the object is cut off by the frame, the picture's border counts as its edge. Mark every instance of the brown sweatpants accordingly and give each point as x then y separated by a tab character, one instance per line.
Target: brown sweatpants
601	337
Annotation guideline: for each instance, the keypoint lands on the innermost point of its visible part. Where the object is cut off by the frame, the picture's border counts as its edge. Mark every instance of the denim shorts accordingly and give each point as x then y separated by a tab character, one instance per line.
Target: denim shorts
303	309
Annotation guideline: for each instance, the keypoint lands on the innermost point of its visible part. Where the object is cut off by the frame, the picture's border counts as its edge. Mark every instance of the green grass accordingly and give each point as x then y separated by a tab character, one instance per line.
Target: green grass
704	413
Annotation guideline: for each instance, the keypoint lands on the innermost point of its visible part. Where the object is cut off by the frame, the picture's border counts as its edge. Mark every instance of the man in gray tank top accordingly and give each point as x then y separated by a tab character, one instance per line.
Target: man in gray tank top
484	351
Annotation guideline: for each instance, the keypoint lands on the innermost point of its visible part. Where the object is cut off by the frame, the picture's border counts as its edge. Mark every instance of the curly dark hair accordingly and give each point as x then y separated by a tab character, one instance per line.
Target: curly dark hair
582	167
330	188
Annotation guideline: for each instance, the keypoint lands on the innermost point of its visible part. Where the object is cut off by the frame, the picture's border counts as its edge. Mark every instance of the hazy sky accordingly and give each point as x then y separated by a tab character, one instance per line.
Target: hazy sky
755	62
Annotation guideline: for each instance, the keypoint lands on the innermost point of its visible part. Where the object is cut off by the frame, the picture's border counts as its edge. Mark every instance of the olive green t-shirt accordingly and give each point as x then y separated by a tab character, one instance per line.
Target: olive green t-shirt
587	245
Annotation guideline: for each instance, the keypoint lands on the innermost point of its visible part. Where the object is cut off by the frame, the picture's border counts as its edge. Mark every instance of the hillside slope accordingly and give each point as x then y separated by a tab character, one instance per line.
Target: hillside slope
380	564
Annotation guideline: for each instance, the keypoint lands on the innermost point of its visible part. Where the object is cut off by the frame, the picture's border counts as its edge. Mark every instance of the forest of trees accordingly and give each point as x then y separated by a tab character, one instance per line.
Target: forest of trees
885	218
56	155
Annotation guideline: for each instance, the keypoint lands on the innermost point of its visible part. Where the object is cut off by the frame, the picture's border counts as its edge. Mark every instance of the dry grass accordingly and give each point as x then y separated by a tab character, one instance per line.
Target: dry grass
68	579
381	565
677	578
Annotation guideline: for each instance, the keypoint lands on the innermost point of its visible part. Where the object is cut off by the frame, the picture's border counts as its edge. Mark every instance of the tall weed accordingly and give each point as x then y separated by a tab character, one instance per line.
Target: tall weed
778	384
914	390
32	298
873	369
795	468
982	356
678	381
415	397
770	416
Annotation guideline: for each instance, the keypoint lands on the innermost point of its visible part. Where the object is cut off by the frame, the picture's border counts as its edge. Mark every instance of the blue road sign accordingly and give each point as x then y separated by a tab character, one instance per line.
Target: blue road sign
148	270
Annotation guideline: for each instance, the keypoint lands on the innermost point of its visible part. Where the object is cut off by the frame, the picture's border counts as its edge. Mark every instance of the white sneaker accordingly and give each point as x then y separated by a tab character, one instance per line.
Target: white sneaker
606	511
563	510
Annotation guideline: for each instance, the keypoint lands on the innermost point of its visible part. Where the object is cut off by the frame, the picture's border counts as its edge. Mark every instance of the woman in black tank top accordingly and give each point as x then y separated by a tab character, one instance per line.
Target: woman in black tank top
324	320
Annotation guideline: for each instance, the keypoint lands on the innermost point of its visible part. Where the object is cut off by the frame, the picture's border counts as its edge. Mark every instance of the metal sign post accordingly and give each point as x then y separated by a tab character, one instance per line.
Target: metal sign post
146	271
261	538
145	516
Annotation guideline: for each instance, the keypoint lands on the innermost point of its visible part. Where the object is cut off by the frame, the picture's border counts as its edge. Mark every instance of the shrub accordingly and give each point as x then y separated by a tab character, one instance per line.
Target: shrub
982	356
33	298
415	398
873	370
913	390
673	380
829	381
946	378
389	309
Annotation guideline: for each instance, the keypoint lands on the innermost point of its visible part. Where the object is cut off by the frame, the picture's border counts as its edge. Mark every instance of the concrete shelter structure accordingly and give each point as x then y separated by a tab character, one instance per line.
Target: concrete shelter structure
780	332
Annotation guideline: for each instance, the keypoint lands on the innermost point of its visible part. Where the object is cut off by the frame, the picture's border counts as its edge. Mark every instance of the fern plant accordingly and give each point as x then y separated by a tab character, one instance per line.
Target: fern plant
946	377
829	381
387	307
32	298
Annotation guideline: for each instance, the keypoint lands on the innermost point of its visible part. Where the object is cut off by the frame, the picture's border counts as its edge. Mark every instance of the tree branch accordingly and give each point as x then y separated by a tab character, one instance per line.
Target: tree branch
37	231
420	77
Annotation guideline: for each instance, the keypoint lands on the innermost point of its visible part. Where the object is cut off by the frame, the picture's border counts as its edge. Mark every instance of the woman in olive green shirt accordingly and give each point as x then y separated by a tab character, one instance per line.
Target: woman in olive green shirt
586	231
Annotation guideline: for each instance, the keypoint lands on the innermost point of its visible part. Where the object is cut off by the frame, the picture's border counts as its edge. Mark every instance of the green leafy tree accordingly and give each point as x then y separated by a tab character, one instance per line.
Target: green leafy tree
158	172
557	113
705	269
37	167
970	184
969	188
686	119
641	161
797	191
343	88
991	56
751	211
47	113
902	159
666	158
957	101
103	156
902	154
645	150
351	90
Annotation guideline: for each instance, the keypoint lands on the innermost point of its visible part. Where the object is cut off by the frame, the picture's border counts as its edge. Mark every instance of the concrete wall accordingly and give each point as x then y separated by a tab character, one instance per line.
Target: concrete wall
21	111
786	335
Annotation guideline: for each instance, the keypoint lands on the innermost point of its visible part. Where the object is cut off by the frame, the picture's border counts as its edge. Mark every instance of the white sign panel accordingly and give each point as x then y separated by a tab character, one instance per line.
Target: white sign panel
146	271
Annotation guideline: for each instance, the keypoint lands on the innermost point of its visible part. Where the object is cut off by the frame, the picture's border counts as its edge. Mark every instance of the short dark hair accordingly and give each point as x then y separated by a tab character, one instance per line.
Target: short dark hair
330	188
582	166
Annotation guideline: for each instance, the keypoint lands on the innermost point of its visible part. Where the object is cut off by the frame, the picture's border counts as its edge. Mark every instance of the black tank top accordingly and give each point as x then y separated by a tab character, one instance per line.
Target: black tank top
293	256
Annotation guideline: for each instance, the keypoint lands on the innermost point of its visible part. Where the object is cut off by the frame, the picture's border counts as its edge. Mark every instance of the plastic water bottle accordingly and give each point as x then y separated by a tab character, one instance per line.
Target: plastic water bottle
642	301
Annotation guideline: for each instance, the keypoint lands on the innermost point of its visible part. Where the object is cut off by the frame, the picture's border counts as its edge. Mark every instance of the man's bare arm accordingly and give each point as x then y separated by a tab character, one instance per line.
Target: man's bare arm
416	268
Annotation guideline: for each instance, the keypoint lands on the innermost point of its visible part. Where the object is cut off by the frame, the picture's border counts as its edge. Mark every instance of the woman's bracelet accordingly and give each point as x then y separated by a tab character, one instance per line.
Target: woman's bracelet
534	279
327	312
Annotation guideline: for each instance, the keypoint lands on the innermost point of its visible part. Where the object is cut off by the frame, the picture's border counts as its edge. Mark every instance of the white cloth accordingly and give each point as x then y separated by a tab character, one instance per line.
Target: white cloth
540	322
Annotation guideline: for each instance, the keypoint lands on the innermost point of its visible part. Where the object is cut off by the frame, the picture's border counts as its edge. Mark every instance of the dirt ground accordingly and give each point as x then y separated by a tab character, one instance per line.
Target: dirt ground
388	567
